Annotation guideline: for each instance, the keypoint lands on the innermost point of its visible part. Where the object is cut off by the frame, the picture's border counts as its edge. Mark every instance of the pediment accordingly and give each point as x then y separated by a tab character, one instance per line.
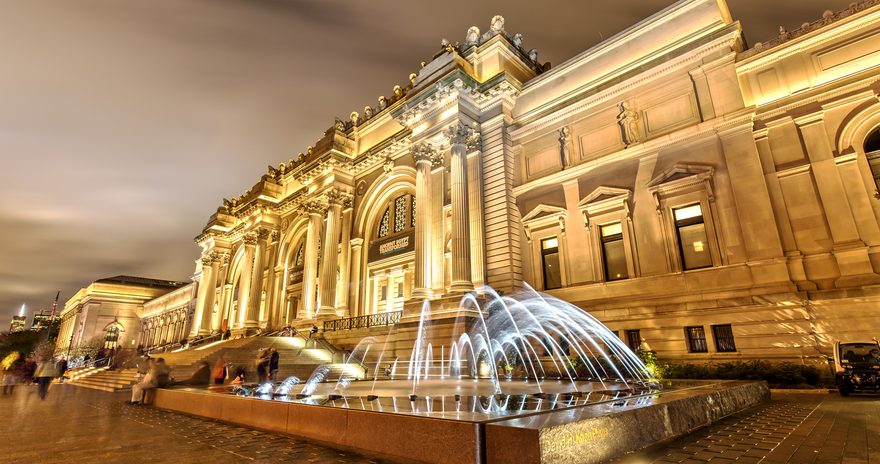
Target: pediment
682	173
543	211
604	194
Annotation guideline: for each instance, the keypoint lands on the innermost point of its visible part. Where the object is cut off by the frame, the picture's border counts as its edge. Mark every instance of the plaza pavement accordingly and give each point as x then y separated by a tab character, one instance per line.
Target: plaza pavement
76	425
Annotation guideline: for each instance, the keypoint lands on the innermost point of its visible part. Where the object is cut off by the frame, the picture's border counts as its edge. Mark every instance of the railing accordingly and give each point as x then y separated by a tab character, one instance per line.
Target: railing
360	322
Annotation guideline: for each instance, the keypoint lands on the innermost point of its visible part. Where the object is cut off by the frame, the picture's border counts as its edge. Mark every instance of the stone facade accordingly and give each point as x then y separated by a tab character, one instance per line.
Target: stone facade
111	310
713	200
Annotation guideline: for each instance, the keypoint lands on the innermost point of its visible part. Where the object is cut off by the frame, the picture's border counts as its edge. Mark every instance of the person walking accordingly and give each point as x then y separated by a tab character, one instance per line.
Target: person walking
8	374
262	365
44	374
273	365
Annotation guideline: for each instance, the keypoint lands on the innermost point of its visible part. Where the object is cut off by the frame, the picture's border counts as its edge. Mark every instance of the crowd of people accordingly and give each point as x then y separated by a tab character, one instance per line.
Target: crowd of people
17	370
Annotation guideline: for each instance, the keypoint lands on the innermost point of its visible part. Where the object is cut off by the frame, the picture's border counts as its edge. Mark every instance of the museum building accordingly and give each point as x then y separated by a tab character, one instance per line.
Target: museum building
711	198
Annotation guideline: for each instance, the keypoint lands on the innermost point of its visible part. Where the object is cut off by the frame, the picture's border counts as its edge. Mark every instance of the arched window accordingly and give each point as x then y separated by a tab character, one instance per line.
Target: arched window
298	259
111	336
399	216
872	150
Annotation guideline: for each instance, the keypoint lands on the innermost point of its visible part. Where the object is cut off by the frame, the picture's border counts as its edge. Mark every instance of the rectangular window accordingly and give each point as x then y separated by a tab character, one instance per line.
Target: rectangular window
400	290
633	339
383	293
693	243
696	339
723	335
613	254
550	263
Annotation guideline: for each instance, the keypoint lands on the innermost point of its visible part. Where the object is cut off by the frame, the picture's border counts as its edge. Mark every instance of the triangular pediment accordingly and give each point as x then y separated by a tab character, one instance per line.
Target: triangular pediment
543	211
680	172
603	194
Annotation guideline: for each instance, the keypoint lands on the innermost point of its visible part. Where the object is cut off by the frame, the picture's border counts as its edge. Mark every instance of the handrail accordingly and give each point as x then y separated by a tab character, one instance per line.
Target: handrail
359	322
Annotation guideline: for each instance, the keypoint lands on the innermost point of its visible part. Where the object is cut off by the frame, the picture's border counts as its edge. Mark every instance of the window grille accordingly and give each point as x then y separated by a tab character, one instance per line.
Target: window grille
696	339
723	335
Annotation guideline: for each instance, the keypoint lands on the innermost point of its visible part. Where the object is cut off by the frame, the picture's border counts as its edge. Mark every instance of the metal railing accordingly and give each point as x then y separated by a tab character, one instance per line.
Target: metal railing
360	322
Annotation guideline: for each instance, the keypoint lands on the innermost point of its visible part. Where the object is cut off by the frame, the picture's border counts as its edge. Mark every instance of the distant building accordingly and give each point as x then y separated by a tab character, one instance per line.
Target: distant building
42	319
18	324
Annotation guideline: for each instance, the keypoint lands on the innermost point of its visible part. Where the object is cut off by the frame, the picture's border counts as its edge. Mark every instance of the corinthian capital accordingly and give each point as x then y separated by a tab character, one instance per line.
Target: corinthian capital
460	134
312	207
424	152
336	197
250	239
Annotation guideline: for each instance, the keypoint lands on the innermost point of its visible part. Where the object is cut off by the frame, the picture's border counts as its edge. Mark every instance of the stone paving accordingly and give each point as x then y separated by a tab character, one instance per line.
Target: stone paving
77	425
792	428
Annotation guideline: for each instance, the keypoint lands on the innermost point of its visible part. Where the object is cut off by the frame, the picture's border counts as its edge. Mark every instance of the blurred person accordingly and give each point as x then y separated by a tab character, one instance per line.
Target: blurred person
273	364
220	371
62	367
45	372
8	374
262	365
148	382
163	373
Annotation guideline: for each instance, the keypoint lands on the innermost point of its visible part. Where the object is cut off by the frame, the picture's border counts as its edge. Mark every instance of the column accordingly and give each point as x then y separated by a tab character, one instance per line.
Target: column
459	136
271	274
310	266
424	156
252	320
244	280
330	262
345	259
355	272
205	300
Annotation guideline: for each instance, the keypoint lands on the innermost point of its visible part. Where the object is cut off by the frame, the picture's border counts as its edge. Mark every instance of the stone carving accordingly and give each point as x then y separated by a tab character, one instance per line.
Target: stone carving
250	239
398	92
383	102
533	55
628	119
361	188
565	147
353	117
339	124
368	112
388	166
312	207
412	78
497	25
473	36
334	196
783	34
517	40
460	134
424	152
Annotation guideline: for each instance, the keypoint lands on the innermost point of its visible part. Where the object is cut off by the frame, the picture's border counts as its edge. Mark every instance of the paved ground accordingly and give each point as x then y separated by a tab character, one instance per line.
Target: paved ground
792	428
76	425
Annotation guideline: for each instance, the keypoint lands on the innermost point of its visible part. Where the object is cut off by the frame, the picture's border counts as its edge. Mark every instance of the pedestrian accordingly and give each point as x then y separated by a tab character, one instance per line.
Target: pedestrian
8	375
220	371
62	368
273	365
148	382
163	374
262	365
314	331
44	374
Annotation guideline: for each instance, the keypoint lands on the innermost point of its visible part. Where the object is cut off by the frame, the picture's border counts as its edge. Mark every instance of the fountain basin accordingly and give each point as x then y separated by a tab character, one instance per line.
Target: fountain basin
561	426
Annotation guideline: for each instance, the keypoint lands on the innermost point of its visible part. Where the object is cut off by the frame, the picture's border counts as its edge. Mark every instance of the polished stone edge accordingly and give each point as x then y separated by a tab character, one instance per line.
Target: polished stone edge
598	433
398	436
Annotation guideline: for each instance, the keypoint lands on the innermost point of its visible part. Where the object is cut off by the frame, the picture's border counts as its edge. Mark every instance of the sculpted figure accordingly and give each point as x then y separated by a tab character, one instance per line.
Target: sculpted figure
412	78
497	25
473	36
340	126
629	124
354	118
383	103
517	40
398	92
565	146
368	112
533	55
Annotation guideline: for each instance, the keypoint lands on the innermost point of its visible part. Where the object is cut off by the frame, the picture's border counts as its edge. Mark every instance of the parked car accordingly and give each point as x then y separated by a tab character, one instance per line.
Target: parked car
856	366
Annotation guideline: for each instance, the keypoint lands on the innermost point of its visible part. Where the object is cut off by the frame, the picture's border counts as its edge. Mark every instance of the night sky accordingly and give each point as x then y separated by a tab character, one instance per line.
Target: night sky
124	123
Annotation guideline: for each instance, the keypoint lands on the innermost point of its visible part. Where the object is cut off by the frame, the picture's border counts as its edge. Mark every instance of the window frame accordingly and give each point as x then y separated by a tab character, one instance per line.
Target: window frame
543	222
601	208
716	338
549	251
628	334
692	221
604	241
693	342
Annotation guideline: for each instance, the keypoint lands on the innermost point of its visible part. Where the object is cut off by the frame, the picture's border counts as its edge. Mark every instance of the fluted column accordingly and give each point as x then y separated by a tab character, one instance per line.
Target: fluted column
252	320
425	156
355	272
330	262
269	314
345	259
310	265
205	302
459	137
244	279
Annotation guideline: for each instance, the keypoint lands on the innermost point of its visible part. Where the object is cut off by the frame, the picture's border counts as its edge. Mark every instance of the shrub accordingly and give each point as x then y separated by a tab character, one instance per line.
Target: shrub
781	375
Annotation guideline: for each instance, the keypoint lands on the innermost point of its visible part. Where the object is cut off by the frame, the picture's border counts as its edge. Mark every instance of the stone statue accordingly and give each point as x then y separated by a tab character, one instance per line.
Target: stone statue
383	102
398	92
353	117
497	25
782	32
629	124
412	78
517	40
565	147
533	55
339	125
368	112
473	36
388	166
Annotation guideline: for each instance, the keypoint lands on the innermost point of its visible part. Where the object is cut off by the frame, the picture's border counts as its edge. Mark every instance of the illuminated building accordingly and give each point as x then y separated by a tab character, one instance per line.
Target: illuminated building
42	319
18	324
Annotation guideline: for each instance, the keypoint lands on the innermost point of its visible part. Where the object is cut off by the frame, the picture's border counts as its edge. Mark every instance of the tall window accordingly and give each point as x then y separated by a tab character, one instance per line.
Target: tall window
111	337
696	339
550	263
613	254
633	339
723	335
693	243
872	150
383	224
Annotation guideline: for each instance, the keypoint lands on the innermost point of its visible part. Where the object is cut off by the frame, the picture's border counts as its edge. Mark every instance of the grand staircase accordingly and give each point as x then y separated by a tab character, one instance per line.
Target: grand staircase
104	379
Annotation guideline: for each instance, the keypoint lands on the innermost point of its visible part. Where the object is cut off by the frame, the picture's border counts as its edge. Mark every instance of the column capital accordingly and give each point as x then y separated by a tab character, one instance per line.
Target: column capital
312	207
337	197
460	134
356	242
250	239
424	152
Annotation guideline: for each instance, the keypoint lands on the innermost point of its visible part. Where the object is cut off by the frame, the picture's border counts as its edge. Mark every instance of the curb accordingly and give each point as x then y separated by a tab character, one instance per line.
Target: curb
808	391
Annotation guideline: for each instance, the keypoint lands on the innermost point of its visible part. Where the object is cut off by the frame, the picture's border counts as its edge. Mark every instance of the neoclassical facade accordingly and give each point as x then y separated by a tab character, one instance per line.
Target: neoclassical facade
712	199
